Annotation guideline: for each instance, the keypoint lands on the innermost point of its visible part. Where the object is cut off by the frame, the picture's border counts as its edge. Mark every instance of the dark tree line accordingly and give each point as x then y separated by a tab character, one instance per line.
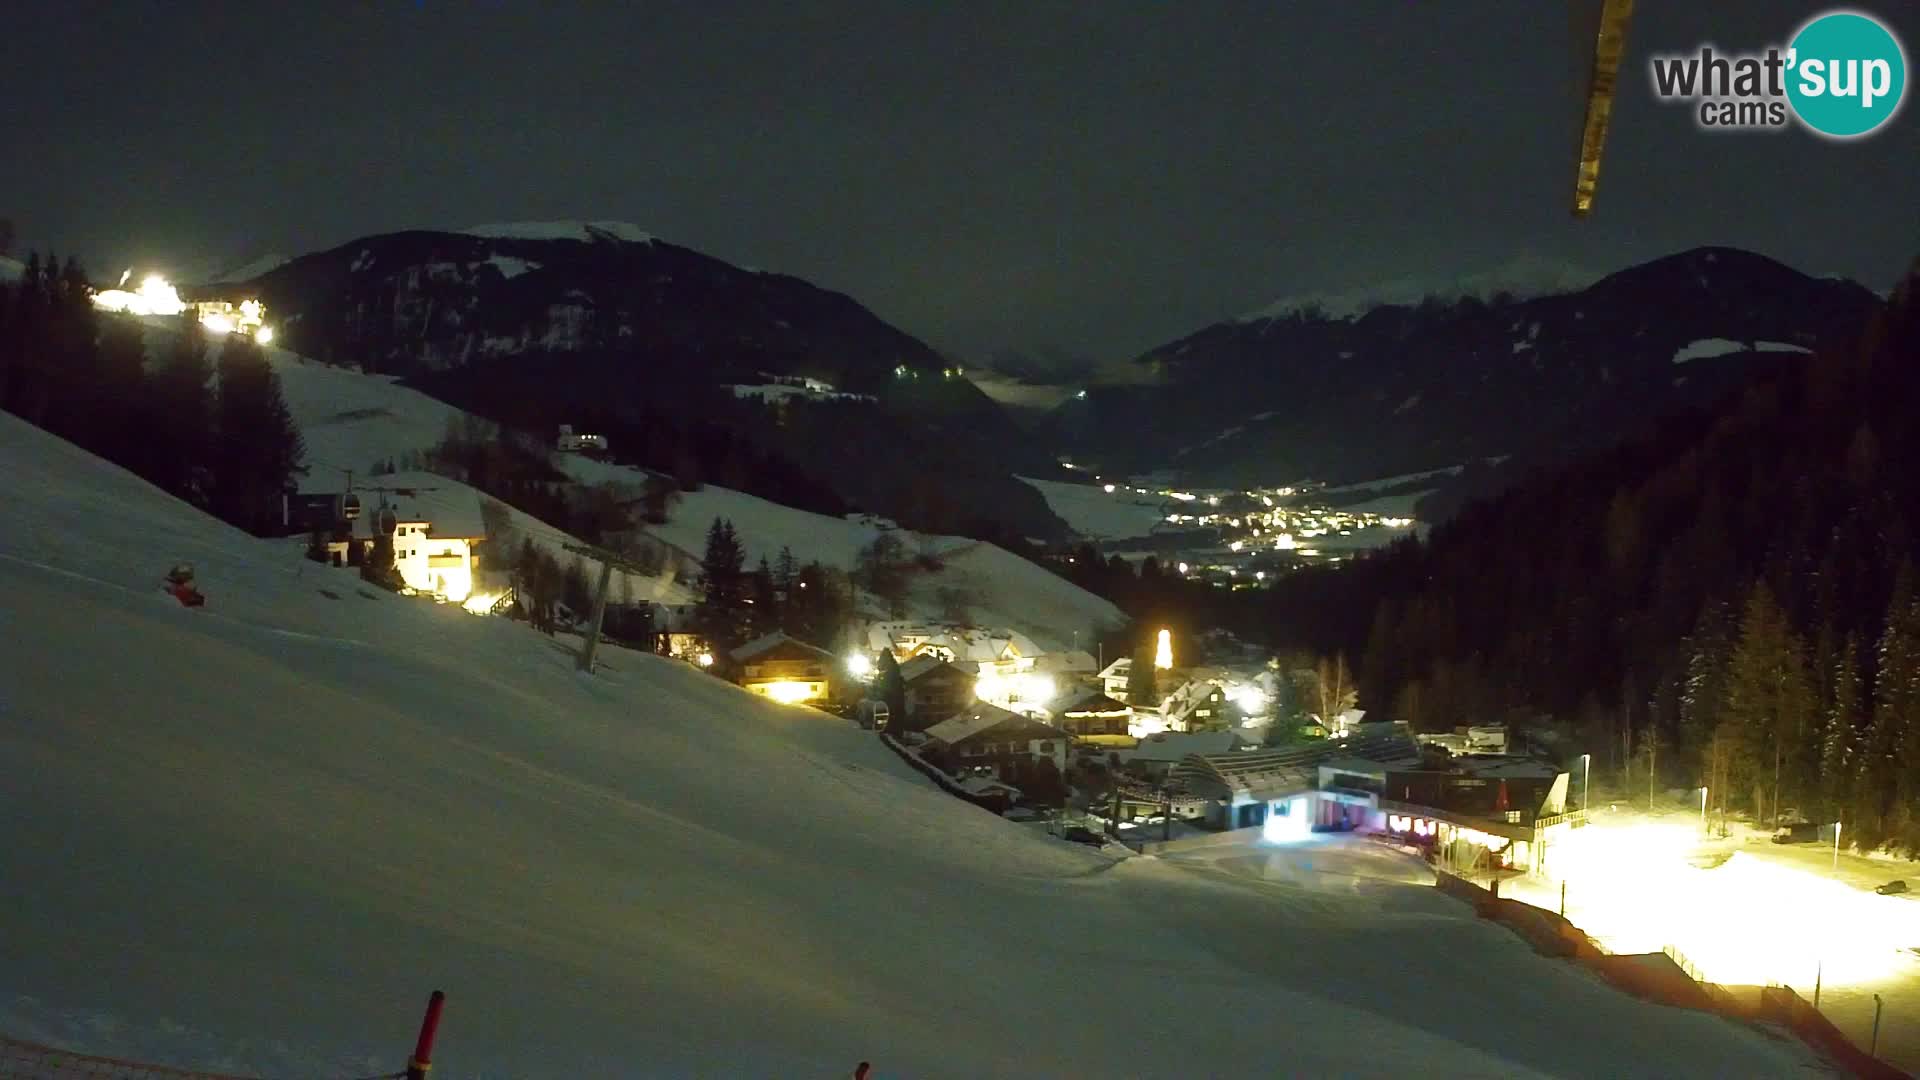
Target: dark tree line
218	435
1730	602
810	602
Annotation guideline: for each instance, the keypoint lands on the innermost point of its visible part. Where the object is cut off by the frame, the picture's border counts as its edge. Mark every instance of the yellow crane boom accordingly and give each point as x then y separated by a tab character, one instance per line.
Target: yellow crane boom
1609	45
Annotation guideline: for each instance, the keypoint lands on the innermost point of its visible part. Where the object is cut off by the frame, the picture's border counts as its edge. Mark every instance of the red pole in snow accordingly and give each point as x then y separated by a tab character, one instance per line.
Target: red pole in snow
860	1072
422	1059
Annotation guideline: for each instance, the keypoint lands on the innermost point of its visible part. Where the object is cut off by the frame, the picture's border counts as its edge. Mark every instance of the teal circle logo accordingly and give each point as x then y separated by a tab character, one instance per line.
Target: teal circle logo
1847	74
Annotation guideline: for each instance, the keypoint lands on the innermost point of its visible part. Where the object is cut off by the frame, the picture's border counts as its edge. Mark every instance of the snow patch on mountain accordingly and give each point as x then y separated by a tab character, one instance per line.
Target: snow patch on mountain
563	230
11	269
1524	277
1781	346
511	267
1707	349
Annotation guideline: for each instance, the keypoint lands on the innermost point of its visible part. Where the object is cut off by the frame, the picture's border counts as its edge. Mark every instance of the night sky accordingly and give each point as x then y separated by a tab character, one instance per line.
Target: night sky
1100	176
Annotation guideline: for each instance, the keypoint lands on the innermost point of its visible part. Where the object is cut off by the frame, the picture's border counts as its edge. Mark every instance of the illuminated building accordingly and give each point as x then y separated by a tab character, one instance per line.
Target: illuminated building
785	669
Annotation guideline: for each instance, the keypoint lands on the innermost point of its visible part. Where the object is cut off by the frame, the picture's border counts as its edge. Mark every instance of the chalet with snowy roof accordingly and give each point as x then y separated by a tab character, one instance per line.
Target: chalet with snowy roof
987	737
1072	664
1001	652
784	669
935	689
1197	705
1094	719
1156	755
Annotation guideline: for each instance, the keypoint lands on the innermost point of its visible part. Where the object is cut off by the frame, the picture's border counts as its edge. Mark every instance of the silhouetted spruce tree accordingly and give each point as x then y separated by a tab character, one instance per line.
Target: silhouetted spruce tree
764	613
116	398
723	607
1841	729
257	447
180	402
889	687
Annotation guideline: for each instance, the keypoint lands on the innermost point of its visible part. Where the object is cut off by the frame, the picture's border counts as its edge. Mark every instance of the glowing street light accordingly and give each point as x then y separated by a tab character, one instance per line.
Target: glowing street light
1586	775
860	666
1836	847
1703	807
705	659
1163	651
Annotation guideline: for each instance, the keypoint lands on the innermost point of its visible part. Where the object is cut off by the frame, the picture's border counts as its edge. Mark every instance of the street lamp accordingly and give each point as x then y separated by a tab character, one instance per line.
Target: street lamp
1703	807
1836	847
1586	775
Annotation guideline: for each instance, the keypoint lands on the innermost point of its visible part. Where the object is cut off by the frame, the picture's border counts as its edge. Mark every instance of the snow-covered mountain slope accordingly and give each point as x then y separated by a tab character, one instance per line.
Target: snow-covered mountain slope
350	421
252	836
1096	513
1002	588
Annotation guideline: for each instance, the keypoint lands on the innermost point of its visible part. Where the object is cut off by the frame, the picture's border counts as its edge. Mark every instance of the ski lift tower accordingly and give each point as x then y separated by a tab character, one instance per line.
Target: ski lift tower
608	560
1600	35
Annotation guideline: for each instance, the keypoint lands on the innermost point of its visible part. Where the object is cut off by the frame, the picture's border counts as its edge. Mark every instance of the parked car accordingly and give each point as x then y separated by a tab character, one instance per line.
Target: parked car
1080	834
1892	888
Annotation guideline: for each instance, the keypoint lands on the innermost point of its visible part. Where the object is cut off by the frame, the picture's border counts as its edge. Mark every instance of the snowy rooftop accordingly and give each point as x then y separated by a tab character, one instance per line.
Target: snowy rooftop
1171	746
975	719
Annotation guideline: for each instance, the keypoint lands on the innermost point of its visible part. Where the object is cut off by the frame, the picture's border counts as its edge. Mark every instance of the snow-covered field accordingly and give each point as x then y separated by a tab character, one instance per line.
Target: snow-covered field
253	836
1097	514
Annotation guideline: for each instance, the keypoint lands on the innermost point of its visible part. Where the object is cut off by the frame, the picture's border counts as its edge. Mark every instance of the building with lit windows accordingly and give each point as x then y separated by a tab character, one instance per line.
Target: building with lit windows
785	669
986	739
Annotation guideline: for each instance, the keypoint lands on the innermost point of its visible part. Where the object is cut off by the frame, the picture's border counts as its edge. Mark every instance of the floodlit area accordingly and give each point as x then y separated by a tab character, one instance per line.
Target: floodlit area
1746	912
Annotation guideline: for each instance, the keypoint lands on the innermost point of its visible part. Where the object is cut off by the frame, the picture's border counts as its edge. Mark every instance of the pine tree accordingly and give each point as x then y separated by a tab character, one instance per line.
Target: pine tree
258	447
1143	679
182	409
889	687
1840	728
1768	700
765	614
723	604
1885	798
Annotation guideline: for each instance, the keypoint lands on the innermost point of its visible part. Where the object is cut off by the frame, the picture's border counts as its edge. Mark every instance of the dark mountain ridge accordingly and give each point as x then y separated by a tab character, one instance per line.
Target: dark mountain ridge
635	331
1400	389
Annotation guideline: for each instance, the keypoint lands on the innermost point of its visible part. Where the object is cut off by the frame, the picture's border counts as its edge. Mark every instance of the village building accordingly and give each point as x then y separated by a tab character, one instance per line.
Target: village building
1114	677
1156	755
1094	719
935	690
1198	705
784	669
988	740
676	630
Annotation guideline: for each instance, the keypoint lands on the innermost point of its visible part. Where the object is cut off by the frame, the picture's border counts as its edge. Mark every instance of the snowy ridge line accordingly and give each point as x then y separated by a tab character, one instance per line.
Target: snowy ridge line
30	1061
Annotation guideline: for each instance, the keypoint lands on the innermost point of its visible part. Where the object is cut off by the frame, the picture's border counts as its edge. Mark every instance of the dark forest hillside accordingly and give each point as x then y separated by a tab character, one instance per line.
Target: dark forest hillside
1733	597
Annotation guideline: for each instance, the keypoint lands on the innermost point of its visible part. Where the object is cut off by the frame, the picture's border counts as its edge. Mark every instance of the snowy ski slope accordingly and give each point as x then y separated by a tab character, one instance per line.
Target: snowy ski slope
253	836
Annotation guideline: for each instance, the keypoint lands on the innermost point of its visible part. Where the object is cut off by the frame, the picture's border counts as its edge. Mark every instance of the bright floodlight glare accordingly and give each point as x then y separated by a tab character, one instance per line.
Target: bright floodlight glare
1163	645
859	665
217	323
788	692
1743	922
264	335
705	659
1250	699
